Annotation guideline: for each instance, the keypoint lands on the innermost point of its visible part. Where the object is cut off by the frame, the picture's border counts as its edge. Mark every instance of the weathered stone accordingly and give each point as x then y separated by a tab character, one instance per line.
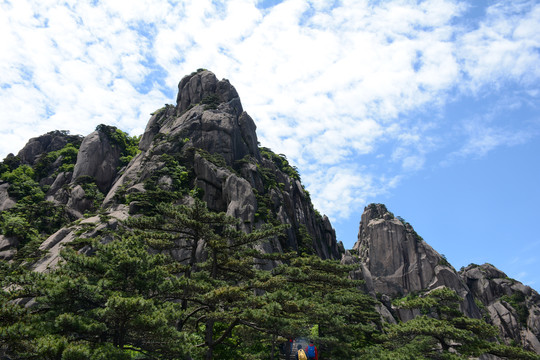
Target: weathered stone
196	87
98	159
503	297
78	201
400	262
8	254
51	141
6	202
7	242
58	191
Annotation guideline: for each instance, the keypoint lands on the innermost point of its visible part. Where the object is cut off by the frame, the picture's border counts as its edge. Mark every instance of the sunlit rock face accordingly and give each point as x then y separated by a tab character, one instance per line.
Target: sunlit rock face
398	261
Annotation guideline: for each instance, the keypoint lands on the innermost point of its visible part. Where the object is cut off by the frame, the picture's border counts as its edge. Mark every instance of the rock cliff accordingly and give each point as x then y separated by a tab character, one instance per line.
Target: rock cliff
395	261
206	145
511	306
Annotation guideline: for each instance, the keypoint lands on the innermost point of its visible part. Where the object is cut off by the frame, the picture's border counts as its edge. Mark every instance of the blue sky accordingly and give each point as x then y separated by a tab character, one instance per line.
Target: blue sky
431	107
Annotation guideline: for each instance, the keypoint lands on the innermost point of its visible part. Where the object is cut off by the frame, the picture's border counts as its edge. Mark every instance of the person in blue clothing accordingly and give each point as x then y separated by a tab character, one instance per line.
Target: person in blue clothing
311	351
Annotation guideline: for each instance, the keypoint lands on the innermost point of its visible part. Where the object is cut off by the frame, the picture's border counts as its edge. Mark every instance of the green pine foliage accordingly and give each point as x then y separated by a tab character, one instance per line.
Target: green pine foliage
115	304
442	332
67	156
129	145
281	162
32	218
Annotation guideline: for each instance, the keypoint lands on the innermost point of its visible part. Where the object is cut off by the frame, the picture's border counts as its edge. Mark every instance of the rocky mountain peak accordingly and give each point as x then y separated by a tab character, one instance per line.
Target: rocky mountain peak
376	212
209	116
397	261
203	86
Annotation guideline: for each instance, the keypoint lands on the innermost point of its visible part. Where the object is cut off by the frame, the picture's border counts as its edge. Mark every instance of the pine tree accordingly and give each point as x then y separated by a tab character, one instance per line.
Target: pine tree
442	332
112	304
219	266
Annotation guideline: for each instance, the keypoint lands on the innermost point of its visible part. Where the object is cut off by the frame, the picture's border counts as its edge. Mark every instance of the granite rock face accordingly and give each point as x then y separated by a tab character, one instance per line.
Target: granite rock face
513	307
394	261
209	132
51	141
99	159
397	261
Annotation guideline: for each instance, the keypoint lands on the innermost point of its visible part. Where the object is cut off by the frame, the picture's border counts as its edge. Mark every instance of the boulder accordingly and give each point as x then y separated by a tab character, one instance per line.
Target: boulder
98	158
6	202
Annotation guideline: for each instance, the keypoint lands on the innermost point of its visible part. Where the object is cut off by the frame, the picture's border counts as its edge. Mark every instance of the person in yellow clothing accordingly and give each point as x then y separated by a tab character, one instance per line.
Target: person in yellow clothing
301	355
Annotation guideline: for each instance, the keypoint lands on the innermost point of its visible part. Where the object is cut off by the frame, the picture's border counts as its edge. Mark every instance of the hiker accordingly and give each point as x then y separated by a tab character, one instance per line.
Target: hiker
300	354
311	351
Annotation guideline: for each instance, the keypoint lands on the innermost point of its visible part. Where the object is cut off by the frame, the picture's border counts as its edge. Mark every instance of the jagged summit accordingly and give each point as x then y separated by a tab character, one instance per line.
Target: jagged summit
399	262
203	86
395	261
206	143
209	114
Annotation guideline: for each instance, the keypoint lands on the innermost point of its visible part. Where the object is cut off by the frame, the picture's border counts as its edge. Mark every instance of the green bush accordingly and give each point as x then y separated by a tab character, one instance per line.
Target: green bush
22	184
129	145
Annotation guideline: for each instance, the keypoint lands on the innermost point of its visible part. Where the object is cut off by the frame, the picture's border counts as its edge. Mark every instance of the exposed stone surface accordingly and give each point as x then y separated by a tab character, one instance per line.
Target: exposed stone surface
6	202
90	227
99	159
7	242
51	141
398	261
209	124
513	307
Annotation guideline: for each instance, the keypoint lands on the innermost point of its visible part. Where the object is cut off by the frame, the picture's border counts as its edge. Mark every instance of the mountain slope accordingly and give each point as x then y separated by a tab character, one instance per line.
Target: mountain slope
395	262
205	146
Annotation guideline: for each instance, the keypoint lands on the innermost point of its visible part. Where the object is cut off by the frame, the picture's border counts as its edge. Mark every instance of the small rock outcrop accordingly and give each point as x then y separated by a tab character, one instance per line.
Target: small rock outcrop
99	159
513	307
51	141
397	261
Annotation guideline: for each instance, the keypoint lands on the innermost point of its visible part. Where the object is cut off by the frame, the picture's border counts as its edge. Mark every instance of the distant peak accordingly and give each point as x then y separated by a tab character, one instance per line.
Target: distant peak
377	211
203	87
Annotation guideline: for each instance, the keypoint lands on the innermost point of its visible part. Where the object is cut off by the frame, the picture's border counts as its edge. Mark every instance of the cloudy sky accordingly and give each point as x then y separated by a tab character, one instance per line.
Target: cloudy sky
431	107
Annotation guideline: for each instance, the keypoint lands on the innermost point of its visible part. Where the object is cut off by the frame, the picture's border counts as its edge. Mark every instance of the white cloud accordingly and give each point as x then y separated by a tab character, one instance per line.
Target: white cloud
328	85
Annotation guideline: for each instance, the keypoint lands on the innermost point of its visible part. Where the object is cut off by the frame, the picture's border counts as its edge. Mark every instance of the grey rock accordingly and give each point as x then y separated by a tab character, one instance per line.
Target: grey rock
7	255
51	141
78	202
224	131
211	135
400	262
193	88
6	202
7	242
99	159
59	191
513	307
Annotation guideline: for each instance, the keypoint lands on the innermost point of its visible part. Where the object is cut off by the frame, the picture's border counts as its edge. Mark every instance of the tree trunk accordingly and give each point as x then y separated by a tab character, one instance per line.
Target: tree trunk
273	347
209	339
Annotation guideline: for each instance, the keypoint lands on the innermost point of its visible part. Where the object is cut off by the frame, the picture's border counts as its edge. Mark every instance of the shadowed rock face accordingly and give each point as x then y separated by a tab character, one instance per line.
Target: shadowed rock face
398	261
51	141
513	307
